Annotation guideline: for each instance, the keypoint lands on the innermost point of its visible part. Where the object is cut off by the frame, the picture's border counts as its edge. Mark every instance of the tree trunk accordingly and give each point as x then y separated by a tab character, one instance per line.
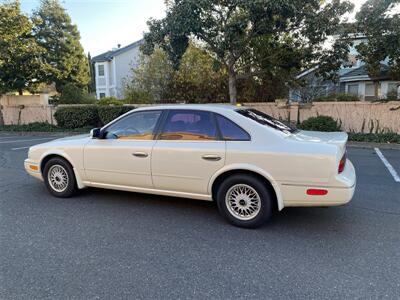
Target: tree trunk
376	89
20	92
1	114
232	86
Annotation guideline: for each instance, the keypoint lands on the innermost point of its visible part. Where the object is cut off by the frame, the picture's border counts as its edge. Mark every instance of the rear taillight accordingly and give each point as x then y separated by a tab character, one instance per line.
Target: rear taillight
342	163
317	192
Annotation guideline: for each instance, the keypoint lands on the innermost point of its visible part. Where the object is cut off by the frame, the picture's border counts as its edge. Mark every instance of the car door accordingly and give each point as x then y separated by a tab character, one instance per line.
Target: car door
187	152
122	157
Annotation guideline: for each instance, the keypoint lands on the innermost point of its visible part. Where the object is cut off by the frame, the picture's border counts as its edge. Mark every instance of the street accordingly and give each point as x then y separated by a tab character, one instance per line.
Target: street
111	244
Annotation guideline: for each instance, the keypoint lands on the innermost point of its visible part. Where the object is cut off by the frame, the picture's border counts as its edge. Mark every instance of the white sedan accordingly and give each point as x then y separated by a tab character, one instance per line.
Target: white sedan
245	160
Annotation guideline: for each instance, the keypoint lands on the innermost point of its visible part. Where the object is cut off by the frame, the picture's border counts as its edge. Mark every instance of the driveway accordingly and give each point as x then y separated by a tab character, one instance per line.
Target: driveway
110	244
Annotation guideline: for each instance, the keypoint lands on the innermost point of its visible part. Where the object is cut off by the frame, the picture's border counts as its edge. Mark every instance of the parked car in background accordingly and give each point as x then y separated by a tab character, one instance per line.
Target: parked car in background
245	160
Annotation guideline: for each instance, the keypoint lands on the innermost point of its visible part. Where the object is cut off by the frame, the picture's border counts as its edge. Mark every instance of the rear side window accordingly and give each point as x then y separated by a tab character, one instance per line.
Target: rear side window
190	125
230	131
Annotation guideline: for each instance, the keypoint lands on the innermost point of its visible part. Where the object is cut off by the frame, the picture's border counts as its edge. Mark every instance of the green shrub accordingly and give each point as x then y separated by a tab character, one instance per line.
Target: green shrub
320	123
347	97
71	94
109	113
392	96
40	127
35	126
337	97
110	101
77	116
389	137
88	116
135	96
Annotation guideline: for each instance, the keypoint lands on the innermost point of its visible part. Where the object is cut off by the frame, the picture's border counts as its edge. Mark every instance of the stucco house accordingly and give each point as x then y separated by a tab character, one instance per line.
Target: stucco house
113	68
353	79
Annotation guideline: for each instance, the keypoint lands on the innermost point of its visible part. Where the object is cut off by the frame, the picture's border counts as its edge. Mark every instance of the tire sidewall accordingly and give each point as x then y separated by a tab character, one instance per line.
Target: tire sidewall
265	197
71	187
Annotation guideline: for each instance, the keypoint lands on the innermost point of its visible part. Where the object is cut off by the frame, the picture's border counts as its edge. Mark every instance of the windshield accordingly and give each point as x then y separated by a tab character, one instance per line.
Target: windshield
265	119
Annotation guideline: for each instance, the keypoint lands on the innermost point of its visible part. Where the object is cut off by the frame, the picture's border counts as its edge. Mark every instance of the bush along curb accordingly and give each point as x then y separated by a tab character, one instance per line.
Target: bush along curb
88	116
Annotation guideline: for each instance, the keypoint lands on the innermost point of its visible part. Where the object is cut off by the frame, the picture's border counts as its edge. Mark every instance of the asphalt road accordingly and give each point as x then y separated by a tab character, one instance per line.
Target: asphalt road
112	245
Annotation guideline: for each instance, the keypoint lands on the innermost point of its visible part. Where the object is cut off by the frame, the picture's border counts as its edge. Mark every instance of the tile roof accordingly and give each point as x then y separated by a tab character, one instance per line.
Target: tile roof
362	71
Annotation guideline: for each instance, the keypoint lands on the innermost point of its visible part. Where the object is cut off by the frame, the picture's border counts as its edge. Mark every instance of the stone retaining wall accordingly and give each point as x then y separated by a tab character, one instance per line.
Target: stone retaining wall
356	116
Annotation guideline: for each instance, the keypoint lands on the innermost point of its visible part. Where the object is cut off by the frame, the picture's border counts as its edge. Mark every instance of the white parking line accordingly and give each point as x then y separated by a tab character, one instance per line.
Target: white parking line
7	137
20	148
388	165
20	141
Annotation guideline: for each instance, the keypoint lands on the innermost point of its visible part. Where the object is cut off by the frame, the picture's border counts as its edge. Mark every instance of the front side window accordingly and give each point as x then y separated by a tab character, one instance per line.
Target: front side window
189	125
267	120
100	70
136	126
230	131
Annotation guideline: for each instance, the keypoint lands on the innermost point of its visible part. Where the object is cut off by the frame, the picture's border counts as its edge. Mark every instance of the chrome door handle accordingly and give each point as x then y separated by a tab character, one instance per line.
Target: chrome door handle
140	154
212	157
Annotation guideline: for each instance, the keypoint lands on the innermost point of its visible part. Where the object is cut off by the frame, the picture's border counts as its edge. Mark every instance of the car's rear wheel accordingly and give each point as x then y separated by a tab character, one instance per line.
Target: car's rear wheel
59	178
244	200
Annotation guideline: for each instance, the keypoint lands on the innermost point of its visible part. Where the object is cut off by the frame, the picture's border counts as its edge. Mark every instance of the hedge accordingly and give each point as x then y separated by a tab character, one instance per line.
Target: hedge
41	127
320	123
110	101
109	113
77	116
337	97
88	116
389	137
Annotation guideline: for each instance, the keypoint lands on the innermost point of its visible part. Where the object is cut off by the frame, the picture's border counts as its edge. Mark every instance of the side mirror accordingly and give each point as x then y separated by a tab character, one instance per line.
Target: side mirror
95	133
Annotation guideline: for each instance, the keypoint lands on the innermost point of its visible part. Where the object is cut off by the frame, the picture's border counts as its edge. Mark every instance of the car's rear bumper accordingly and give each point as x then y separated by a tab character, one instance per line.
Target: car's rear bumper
296	195
33	168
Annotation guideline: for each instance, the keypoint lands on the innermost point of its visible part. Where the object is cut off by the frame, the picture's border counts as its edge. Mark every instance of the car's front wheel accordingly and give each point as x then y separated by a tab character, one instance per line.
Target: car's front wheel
244	200
59	178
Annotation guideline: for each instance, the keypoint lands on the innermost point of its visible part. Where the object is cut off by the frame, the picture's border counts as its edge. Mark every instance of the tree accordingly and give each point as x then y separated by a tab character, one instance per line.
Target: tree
20	56
151	77
232	31
65	57
197	80
382	30
92	83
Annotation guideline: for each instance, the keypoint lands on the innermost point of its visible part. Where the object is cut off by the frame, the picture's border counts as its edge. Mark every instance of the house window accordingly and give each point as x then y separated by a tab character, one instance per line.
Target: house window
102	95
369	89
392	87
100	70
352	89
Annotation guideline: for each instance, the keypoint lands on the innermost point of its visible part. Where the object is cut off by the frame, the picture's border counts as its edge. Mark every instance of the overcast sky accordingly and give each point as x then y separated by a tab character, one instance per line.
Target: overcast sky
105	23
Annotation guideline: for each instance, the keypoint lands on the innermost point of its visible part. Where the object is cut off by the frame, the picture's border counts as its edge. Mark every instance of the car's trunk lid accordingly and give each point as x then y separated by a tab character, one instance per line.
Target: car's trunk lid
335	138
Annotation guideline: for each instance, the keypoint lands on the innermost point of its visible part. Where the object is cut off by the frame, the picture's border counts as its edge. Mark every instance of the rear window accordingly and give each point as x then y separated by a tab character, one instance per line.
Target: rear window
267	120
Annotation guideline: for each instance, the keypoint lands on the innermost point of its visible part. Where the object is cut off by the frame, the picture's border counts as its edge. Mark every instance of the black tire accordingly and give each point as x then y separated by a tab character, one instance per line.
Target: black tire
70	186
264	195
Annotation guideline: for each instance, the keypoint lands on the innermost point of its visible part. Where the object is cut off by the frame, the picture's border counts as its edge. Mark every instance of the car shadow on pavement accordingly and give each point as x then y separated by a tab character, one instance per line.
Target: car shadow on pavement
311	219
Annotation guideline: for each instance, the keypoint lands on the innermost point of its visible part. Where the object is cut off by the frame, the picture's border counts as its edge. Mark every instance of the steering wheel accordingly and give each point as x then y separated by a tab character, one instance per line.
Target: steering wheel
123	132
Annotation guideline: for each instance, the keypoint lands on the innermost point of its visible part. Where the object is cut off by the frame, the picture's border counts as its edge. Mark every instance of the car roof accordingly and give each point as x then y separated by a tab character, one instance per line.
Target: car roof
209	107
